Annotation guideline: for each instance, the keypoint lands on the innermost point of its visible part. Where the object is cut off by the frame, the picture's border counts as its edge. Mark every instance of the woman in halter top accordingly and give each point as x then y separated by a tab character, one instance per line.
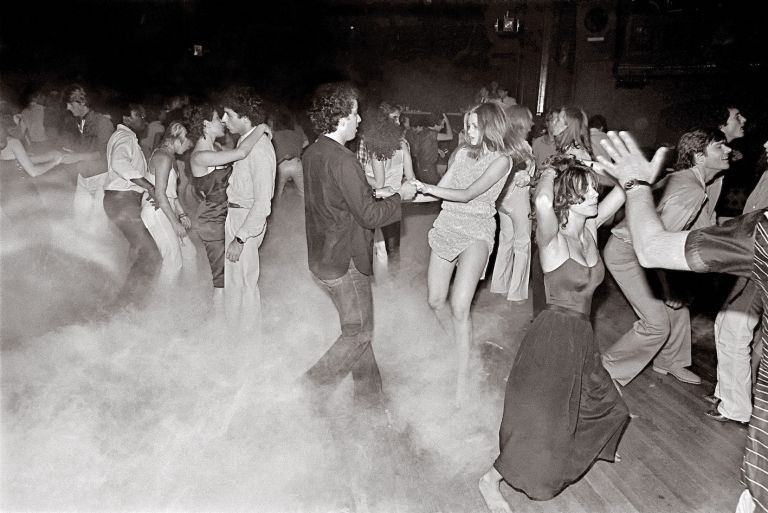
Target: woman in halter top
463	234
165	218
562	412
211	167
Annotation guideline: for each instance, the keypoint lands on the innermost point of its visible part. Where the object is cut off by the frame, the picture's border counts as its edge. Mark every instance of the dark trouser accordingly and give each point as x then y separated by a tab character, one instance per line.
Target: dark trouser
391	234
124	209
427	173
352	351
210	227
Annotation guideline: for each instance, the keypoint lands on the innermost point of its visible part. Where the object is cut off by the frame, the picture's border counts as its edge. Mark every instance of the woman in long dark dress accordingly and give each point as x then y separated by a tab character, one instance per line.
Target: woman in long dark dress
562	412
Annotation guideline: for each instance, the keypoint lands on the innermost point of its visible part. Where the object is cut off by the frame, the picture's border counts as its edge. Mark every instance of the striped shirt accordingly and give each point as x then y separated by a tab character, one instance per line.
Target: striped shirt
755	466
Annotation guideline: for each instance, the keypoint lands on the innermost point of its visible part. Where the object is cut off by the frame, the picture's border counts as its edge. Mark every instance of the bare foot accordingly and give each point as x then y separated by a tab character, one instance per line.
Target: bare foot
489	489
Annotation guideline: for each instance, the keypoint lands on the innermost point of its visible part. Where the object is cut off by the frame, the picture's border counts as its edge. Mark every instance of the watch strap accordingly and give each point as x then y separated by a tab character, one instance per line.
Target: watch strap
633	183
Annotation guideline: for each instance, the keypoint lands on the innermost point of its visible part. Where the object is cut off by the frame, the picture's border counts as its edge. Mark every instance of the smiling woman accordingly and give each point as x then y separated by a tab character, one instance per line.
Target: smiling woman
561	411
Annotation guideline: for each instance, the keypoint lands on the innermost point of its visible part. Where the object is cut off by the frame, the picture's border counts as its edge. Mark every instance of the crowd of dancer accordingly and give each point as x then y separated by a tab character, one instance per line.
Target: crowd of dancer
563	407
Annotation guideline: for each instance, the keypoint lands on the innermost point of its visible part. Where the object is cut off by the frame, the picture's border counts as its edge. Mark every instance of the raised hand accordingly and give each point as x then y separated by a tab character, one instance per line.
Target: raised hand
628	161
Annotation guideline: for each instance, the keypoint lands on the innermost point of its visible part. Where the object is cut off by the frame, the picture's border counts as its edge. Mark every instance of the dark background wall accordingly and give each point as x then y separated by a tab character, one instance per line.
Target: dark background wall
647	65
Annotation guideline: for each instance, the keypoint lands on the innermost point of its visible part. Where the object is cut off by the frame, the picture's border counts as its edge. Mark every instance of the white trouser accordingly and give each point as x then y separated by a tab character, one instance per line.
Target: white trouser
745	504
242	299
734	327
512	269
176	254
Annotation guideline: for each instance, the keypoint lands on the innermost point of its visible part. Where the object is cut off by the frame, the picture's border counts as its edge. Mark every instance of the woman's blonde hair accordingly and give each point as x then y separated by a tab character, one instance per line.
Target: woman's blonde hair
576	133
495	132
176	132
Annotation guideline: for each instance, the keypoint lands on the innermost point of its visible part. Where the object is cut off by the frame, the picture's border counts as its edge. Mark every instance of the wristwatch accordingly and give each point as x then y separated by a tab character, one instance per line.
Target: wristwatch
634	182
373	193
239	241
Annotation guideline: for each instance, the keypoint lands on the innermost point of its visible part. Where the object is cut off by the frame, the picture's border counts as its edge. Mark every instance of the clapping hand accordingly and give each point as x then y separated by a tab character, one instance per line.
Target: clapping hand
627	159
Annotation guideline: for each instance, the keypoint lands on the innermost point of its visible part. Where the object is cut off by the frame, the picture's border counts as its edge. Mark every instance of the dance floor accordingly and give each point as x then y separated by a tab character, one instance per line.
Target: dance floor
167	409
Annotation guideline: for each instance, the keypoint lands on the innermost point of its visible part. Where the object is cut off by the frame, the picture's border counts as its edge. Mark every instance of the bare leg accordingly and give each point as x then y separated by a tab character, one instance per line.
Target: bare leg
439	275
470	267
489	489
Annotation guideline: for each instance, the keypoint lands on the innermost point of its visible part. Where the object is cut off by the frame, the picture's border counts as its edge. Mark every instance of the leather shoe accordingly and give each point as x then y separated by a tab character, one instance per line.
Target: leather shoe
712	399
719	417
681	374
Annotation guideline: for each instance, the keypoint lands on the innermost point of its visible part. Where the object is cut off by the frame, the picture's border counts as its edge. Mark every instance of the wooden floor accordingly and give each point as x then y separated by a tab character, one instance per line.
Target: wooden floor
152	450
674	459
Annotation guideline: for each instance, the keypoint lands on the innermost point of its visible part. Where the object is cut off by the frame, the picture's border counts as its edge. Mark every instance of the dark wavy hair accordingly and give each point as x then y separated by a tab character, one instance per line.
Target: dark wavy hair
195	118
571	187
693	142
246	103
716	112
381	134
330	104
572	181
576	134
75	93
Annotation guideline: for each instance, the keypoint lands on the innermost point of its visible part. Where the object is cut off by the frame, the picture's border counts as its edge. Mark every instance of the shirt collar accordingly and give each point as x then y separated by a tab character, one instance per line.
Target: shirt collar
121	126
246	135
698	174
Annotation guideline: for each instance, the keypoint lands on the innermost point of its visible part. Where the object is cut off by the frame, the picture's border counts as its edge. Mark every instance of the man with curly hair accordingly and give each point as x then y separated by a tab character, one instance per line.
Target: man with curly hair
249	194
662	333
341	213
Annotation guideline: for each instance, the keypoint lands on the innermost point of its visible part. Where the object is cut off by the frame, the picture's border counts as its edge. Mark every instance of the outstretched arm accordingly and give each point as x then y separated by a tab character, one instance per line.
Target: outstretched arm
492	174
653	244
22	157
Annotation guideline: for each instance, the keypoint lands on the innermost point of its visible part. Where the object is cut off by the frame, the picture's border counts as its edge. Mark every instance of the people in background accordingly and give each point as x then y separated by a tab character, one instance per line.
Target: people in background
163	214
512	268
387	162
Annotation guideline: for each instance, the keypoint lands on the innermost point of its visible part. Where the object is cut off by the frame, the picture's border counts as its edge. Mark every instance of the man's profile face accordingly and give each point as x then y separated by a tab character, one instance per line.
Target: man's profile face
232	121
734	127
78	109
350	123
716	155
136	121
